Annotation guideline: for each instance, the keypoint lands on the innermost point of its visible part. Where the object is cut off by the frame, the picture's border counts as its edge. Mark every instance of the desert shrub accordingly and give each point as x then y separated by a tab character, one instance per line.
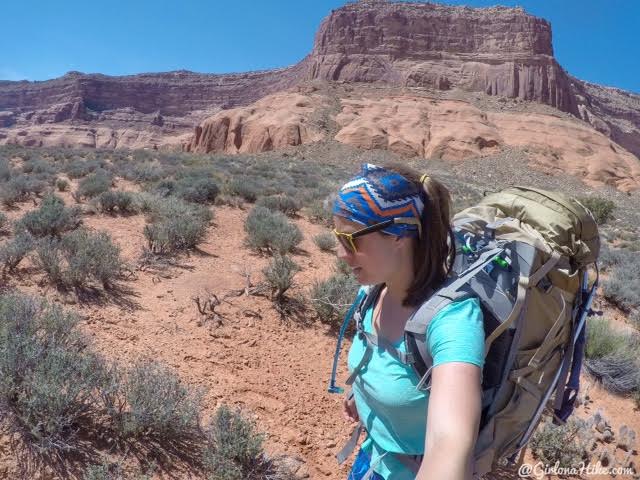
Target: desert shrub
91	256
567	444
340	266
325	241
48	379
4	222
38	166
144	172
175	234
5	170
145	202
319	211
611	257
623	285
52	218
149	401
164	188
230	200
17	189
281	203
95	184
13	251
245	187
331	298
234	450
104	471
79	258
110	201
39	184
271	230
115	471
79	168
197	189
50	259
602	339
601	208
176	225
62	185
160	208
617	371
279	275
125	202
611	357
107	201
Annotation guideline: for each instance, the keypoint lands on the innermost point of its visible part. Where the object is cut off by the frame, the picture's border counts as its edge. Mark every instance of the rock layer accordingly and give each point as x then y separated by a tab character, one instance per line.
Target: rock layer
426	127
276	121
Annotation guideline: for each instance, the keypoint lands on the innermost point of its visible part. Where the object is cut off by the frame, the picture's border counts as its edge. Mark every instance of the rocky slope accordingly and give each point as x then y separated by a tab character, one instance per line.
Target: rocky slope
420	126
496	52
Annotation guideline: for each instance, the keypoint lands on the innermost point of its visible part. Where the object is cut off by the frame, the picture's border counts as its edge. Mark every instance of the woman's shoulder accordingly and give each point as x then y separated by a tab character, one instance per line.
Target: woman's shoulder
456	333
465	311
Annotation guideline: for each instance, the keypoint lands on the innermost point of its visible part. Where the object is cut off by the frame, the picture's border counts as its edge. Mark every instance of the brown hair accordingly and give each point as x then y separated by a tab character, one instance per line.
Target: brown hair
434	253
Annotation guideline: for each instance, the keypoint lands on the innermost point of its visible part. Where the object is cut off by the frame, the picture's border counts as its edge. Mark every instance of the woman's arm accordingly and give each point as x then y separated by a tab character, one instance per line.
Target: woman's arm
453	419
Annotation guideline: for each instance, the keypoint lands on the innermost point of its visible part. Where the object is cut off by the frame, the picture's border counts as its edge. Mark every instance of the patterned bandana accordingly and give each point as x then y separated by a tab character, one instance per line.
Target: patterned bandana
378	194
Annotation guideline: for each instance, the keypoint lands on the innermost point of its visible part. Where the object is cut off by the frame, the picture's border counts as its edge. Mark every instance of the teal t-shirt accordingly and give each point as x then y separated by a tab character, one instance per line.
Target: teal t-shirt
392	410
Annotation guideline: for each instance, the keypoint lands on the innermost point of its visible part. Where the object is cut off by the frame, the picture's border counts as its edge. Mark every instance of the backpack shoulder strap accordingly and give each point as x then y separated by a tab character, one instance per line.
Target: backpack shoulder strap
371	340
371	293
415	332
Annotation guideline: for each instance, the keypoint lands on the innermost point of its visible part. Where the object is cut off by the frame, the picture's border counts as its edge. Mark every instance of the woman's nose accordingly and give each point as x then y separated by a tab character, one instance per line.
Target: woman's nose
342	252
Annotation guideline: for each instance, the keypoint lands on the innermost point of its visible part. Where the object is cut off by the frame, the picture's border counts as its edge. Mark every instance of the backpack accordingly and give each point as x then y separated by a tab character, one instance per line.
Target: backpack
524	253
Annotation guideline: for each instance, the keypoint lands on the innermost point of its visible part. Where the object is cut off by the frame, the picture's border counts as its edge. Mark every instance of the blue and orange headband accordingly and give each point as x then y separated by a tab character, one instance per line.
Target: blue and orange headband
378	194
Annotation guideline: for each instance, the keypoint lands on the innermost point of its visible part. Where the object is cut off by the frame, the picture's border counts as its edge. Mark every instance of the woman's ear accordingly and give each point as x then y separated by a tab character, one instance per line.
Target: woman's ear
400	241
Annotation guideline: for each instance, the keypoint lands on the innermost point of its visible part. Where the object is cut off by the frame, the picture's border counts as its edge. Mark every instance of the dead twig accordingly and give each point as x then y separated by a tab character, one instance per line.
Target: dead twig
206	305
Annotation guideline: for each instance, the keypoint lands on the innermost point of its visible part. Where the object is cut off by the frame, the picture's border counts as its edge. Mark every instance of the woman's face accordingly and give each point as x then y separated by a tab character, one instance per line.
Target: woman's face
376	257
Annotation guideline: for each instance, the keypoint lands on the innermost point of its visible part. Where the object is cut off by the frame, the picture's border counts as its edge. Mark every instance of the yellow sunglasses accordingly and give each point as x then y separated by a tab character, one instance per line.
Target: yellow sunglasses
347	239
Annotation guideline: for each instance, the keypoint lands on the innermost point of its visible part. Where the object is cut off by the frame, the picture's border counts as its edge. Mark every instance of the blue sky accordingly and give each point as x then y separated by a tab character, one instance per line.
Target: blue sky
595	40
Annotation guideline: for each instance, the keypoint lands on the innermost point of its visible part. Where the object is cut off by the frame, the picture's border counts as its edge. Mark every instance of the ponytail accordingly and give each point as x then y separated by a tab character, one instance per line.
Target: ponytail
434	253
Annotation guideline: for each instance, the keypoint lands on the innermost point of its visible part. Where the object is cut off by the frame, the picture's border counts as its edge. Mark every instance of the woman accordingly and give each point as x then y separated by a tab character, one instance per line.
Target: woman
410	257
